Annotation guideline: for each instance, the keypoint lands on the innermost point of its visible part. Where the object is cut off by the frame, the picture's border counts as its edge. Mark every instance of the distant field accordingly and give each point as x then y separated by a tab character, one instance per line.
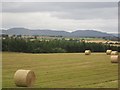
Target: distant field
63	70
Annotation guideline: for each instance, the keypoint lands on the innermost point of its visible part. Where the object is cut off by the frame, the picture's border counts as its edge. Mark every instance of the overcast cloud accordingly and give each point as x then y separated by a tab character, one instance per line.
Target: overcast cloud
68	16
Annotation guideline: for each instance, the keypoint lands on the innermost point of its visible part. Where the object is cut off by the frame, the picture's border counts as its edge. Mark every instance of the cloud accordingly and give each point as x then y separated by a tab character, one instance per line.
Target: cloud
54	6
67	16
66	10
97	13
45	21
60	0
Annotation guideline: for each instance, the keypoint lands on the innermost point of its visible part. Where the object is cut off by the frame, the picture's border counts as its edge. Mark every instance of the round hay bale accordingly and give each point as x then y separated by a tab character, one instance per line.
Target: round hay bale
108	52
87	52
115	58
24	78
114	53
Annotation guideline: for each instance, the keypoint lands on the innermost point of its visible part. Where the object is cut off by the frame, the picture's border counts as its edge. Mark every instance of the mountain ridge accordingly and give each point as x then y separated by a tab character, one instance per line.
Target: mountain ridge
48	32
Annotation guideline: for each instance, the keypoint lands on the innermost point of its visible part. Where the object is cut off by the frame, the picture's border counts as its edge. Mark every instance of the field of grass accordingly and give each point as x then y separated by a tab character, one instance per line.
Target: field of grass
62	70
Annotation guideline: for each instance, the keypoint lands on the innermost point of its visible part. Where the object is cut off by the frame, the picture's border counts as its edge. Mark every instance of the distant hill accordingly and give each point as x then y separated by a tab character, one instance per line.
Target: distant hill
117	35
17	31
90	33
77	33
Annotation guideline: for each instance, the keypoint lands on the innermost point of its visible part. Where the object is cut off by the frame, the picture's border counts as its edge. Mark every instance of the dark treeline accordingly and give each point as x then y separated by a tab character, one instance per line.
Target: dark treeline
53	46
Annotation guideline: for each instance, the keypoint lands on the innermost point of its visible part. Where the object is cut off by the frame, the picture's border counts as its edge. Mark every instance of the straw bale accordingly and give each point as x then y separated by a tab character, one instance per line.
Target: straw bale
24	78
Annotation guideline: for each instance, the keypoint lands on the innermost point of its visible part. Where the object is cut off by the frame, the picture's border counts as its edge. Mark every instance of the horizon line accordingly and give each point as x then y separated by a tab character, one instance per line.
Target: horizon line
60	30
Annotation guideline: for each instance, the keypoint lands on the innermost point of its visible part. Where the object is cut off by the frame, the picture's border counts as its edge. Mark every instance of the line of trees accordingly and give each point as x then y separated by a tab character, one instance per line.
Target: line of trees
53	46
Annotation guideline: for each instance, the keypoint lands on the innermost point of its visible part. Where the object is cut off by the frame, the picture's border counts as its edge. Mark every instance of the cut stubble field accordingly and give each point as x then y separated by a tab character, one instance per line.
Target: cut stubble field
62	70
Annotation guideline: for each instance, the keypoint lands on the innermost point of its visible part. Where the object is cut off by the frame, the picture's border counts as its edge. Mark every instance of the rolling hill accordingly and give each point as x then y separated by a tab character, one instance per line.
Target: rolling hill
77	33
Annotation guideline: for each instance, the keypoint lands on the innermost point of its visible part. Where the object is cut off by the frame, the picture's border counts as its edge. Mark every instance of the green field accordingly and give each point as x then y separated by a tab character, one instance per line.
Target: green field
62	70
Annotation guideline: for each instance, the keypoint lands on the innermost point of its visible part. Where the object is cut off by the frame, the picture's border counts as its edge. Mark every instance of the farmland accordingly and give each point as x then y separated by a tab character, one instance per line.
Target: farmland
62	70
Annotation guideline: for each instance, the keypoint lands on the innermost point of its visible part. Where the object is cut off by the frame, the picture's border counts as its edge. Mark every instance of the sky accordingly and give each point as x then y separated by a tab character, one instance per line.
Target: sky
67	16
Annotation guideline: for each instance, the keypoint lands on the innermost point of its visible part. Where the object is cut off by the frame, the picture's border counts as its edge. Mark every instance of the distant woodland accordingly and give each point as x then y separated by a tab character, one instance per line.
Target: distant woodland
52	46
